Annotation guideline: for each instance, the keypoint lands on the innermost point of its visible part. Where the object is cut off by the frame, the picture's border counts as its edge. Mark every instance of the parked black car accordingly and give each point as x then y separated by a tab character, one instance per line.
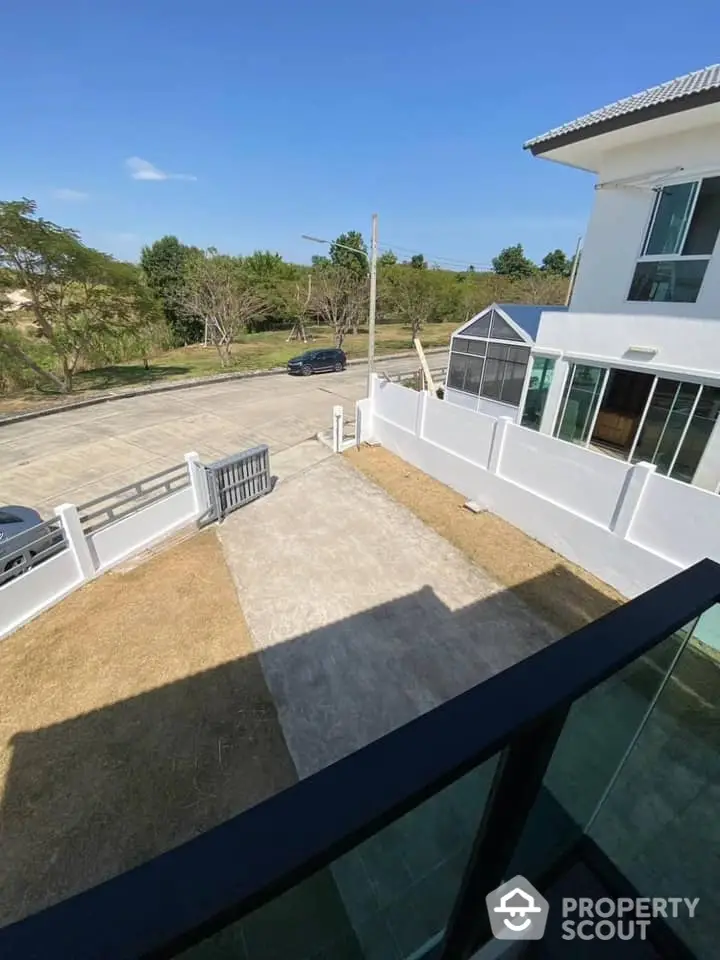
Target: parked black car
317	361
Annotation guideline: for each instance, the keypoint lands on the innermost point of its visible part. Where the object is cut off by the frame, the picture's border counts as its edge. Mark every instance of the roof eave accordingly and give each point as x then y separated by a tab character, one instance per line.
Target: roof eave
679	105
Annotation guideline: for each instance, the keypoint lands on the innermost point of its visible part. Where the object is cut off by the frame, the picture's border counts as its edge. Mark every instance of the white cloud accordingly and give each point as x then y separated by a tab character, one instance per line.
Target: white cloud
144	170
64	193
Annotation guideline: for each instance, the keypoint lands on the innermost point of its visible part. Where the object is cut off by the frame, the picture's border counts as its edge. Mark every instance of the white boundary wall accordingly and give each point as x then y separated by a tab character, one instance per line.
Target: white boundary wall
88	556
622	522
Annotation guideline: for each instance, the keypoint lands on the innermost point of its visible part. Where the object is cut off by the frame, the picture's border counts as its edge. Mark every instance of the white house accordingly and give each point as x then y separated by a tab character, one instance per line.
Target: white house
633	369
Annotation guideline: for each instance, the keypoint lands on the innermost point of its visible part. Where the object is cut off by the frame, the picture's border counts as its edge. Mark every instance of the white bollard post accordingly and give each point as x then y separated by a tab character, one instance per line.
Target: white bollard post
198	481
337	428
70	519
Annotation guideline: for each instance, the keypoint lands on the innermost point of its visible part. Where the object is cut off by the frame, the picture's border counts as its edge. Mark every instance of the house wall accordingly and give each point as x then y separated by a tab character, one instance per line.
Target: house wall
622	522
619	218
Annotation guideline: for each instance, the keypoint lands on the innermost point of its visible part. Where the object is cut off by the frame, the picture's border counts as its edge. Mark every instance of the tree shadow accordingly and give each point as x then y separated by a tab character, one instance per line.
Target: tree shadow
107	378
95	795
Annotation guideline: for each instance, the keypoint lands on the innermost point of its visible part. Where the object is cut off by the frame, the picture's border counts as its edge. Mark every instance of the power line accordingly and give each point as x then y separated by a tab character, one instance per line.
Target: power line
393	247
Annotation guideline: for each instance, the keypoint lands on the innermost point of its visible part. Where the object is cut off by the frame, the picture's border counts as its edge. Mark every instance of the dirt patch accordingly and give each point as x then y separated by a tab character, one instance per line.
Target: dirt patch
134	716
564	594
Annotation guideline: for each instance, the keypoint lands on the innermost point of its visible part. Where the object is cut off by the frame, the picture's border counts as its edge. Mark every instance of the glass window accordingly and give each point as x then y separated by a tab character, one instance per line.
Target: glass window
697	435
501	329
518	354
498	351
703	230
512	384
582	396
480	328
672	210
540	380
460	345
477	347
456	373
492	380
665	421
675	281
473	375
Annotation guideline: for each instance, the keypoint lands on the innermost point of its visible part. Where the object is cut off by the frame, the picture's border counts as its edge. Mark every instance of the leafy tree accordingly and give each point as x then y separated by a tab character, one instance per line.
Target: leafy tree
418	262
556	263
319	261
347	259
216	290
512	262
79	299
409	298
388	258
338	298
163	264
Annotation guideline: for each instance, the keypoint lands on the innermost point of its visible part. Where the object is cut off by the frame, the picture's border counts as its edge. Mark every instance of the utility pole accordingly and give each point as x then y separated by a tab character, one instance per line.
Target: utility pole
373	300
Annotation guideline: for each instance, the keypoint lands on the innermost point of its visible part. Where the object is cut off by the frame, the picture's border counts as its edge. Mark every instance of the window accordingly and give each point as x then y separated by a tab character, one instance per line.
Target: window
486	368
540	380
697	434
680	240
580	402
481	327
465	372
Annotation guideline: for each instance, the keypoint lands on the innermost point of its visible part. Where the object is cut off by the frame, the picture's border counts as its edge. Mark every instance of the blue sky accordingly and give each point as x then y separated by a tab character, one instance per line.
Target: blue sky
305	116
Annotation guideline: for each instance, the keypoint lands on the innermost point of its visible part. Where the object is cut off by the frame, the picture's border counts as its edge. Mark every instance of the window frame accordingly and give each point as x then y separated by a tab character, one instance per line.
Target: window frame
643	257
488	341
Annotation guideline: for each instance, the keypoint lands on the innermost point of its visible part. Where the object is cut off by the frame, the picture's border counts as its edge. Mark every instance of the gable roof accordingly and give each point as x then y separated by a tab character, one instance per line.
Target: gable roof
524	317
683	93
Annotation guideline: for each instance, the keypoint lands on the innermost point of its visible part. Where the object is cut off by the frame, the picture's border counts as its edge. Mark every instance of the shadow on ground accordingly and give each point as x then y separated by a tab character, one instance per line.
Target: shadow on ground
93	796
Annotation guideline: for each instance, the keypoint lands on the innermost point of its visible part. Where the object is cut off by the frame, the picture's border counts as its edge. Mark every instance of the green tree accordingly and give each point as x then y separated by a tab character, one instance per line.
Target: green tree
418	262
388	258
80	300
163	264
512	262
347	259
410	297
556	263
338	297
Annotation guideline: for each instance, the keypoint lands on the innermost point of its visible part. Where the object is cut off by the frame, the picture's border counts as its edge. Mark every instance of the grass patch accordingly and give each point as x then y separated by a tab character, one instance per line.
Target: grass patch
254	351
134	716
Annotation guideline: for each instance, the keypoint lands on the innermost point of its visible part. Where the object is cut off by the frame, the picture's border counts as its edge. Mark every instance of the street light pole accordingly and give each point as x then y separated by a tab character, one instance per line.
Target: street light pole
373	301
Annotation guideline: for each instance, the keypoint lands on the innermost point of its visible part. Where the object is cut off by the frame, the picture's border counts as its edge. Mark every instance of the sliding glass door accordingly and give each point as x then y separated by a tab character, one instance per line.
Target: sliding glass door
671	406
583	390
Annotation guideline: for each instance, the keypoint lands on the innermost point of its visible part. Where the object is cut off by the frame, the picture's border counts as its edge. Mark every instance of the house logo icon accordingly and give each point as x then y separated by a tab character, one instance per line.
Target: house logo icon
517	911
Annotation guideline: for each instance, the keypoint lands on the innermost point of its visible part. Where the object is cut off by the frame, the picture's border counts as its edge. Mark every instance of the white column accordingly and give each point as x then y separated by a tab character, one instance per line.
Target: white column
420	413
629	500
502	424
554	395
199	484
76	540
337	428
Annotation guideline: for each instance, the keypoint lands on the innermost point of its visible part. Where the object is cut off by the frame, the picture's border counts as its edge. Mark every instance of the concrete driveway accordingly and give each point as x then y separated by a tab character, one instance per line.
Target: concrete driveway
363	616
80	454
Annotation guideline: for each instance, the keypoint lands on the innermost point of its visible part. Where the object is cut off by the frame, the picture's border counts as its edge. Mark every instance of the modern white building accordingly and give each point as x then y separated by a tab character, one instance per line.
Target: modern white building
633	368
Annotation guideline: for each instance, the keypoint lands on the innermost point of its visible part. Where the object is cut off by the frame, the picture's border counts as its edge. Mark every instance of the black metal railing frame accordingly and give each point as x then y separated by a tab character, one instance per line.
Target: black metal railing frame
185	895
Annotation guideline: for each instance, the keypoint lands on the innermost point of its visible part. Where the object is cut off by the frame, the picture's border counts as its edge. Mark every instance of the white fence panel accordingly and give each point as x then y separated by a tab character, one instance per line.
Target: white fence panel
587	483
32	592
677	521
140	530
461	431
397	404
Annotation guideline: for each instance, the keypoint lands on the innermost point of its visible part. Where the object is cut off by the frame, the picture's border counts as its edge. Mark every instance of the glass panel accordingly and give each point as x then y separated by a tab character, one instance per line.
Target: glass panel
480	328
672	209
698	434
519	354
582	397
705	221
599	731
511	390
670	281
492	379
460	345
501	329
477	347
456	372
498	351
659	823
675	425
385	899
473	375
540	380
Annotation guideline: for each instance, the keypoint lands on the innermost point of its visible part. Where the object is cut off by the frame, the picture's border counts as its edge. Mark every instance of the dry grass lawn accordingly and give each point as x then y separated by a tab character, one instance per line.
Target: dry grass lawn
134	716
564	594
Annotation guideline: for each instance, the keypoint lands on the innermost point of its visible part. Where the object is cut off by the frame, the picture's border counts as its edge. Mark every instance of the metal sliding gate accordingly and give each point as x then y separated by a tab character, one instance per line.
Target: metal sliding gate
237	480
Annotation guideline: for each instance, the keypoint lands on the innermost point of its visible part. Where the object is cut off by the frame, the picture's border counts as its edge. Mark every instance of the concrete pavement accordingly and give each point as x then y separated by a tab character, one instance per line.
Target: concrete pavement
77	455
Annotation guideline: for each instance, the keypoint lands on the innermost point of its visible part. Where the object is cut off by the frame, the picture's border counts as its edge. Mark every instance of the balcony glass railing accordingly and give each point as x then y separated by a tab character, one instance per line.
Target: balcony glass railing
600	752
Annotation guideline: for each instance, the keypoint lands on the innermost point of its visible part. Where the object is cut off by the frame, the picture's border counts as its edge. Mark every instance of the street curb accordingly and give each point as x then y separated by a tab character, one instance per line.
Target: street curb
180	385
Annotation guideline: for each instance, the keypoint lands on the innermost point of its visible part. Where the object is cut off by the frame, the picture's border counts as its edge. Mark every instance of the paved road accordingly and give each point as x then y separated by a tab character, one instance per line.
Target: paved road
80	454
